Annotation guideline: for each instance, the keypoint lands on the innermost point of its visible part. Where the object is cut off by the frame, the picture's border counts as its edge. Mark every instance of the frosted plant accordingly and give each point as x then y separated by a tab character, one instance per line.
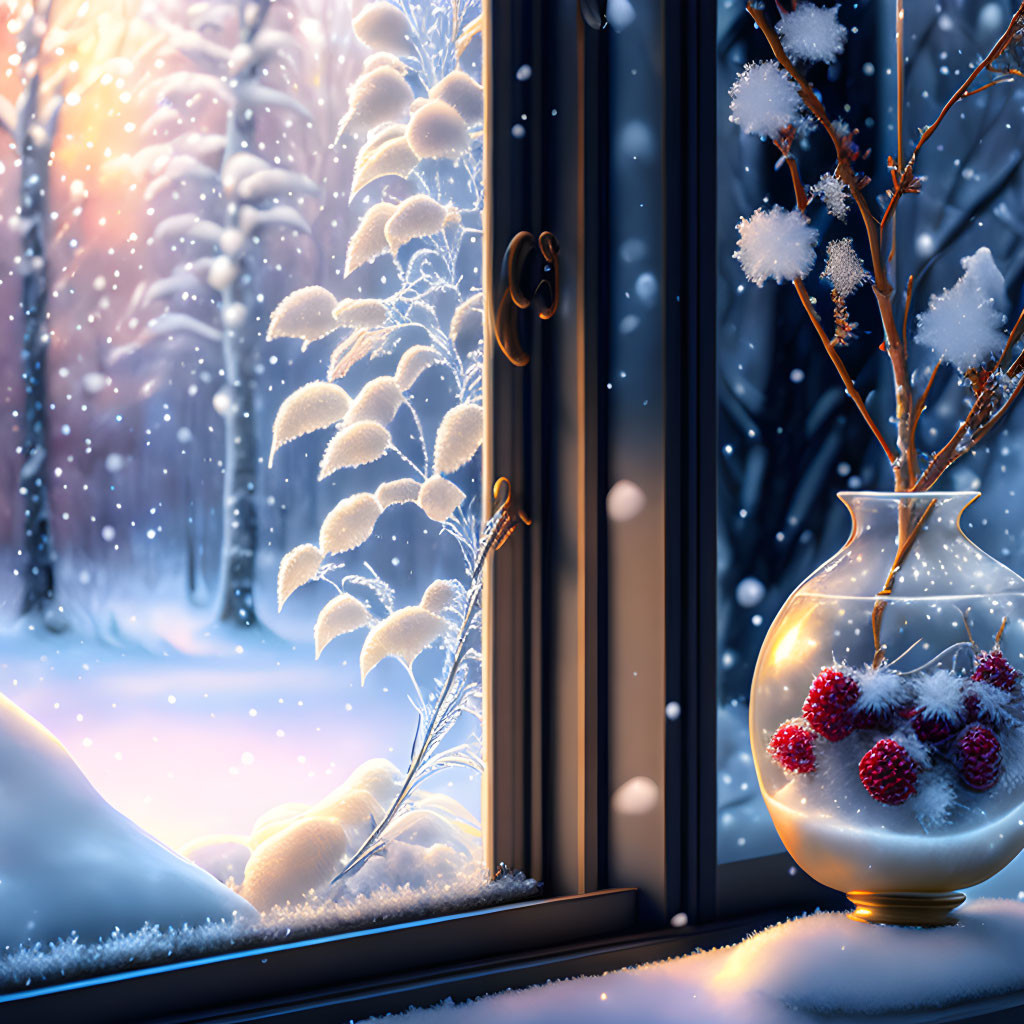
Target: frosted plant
776	243
764	99
963	326
416	113
812	33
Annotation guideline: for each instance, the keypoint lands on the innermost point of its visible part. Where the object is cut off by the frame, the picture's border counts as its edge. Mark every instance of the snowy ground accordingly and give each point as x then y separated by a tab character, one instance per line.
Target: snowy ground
824	965
190	731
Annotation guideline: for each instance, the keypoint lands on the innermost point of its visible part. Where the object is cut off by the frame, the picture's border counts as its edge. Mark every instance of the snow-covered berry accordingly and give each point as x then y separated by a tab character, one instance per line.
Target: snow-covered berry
764	99
978	757
993	668
828	708
933	728
812	33
792	747
881	694
888	773
776	243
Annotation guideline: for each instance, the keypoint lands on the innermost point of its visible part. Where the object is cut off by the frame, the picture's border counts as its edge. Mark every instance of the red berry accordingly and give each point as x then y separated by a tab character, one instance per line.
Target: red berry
978	757
792	747
829	702
933	728
888	773
994	669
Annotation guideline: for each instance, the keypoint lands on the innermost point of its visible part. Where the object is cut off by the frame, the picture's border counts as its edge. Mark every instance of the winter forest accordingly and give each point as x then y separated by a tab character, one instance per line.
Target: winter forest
789	436
241	518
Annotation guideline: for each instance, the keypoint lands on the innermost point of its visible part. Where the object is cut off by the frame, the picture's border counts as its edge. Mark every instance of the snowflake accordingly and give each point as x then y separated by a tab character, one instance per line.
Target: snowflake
776	243
843	267
764	99
963	325
832	192
812	33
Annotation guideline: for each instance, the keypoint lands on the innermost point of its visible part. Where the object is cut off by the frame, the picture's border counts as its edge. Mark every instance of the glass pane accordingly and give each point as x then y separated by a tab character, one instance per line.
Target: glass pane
790	437
242	281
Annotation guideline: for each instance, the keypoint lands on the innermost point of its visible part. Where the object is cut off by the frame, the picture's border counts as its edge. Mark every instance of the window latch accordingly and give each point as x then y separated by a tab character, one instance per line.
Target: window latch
529	277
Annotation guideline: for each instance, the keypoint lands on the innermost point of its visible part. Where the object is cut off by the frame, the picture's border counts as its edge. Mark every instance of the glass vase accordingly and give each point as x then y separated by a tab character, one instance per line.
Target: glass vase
887	714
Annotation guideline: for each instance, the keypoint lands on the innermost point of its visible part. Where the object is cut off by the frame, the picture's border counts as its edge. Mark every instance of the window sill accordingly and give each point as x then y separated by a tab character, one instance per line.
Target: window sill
339	976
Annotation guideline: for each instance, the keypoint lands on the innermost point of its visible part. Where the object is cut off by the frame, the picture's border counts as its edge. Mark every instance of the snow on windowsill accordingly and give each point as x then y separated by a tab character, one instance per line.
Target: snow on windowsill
821	965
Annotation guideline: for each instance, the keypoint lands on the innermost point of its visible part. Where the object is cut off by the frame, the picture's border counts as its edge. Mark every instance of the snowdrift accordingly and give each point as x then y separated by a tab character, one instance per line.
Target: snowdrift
70	863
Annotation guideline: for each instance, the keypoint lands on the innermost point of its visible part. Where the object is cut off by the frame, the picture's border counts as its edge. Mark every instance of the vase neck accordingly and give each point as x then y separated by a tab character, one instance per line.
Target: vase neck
893	517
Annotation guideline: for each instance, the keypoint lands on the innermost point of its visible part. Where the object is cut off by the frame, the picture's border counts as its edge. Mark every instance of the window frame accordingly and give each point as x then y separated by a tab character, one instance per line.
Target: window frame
554	617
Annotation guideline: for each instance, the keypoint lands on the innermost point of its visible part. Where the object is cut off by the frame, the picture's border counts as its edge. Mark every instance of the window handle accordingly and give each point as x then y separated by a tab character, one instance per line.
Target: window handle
529	277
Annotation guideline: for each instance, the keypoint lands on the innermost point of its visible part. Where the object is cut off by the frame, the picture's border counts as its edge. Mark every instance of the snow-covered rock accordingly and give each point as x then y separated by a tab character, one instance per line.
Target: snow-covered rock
69	862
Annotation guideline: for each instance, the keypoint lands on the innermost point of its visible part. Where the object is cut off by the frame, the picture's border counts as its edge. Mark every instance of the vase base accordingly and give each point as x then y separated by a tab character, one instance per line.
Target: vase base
915	909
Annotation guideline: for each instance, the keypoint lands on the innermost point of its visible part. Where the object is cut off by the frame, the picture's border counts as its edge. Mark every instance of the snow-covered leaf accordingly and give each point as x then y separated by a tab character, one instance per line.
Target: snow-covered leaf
275	182
342	614
382	26
307	314
439	595
368	241
355	445
359	344
458	437
360	313
349	523
416	217
314	406
375	97
467	324
437	132
397	492
413	362
462	92
378	400
439	498
404	635
299	566
391	157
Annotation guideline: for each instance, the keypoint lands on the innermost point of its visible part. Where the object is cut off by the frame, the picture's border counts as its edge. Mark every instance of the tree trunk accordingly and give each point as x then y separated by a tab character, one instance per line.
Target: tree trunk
37	543
241	522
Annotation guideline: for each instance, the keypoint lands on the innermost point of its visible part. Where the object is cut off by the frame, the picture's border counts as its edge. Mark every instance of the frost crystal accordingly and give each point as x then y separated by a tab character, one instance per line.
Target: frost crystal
812	33
843	267
963	325
832	192
775	243
764	99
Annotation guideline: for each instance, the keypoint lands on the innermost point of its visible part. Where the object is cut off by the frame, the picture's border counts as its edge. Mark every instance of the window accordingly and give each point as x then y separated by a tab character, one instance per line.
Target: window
246	522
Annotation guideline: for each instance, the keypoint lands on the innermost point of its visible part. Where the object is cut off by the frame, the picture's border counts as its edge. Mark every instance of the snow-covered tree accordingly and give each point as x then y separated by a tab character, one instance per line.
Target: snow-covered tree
224	159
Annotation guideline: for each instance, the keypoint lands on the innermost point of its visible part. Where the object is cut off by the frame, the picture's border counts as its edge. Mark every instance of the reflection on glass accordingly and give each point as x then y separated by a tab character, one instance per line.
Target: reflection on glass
242	525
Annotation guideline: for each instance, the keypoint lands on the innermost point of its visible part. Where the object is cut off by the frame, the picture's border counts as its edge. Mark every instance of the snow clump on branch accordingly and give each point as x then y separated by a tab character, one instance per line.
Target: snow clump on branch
775	243
832	192
963	325
843	267
765	100
812	33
